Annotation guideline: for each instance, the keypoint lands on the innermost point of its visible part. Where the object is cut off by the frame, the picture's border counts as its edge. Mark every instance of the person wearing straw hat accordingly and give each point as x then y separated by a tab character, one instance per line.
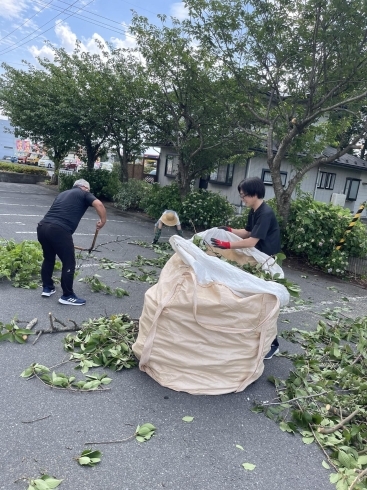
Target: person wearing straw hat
168	218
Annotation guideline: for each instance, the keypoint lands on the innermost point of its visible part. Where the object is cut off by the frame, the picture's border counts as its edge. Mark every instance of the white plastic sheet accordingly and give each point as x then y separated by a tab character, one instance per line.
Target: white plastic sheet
210	269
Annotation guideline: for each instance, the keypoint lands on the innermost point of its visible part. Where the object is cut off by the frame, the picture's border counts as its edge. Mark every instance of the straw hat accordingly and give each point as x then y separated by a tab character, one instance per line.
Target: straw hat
169	218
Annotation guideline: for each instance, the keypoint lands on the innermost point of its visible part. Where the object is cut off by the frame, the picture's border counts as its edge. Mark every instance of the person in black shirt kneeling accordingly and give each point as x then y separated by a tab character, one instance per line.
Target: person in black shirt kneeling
262	230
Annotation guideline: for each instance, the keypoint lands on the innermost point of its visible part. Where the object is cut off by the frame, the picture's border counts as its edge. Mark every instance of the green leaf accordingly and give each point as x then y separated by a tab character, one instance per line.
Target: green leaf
27	372
362	460
84	460
285	427
249	466
239	447
334	477
140	439
308	440
187	418
51	482
325	465
40	484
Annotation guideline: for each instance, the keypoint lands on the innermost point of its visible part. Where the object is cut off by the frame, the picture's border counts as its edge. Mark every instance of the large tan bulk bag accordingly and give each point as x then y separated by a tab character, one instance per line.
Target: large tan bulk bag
200	335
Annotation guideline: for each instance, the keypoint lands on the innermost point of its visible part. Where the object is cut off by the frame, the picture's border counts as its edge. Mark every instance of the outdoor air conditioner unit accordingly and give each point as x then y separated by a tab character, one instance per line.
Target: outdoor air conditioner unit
338	199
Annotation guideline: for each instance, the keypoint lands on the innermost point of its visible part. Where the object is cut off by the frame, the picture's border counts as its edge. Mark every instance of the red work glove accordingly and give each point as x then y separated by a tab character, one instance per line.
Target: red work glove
227	228
220	244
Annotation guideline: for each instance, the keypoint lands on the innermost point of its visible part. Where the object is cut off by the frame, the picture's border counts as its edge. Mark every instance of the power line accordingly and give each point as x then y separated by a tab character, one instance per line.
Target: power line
73	14
19	45
101	16
90	21
21	25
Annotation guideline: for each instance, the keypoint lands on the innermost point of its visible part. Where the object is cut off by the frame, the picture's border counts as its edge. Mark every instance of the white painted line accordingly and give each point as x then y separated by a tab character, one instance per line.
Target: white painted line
42	215
26	205
28	215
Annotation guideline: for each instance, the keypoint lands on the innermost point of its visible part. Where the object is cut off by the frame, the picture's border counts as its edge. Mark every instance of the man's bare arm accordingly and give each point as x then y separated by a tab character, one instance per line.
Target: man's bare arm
101	211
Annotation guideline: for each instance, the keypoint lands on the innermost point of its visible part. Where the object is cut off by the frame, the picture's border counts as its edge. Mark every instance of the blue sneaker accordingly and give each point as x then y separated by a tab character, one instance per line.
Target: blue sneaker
48	292
72	300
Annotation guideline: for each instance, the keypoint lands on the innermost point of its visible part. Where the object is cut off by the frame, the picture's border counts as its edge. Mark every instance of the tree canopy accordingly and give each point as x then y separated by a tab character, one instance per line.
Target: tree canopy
189	101
301	69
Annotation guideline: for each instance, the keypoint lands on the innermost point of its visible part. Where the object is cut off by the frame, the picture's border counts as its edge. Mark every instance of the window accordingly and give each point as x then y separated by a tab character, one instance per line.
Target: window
223	175
351	189
326	180
171	166
266	177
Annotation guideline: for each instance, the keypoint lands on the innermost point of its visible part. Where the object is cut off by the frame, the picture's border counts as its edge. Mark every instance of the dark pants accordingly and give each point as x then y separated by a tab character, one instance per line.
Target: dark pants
57	241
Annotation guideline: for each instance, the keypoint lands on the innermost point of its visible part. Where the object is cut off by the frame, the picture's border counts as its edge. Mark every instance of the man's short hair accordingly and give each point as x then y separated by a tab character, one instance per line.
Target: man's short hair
82	183
252	186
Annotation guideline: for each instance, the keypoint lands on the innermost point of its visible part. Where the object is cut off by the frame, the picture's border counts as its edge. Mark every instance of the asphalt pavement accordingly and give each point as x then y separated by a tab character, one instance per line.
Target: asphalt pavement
42	429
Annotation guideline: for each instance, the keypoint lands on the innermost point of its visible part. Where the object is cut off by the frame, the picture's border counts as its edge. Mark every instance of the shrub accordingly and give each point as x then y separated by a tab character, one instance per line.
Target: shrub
201	208
161	198
21	263
131	194
315	228
103	184
239	221
205	209
22	169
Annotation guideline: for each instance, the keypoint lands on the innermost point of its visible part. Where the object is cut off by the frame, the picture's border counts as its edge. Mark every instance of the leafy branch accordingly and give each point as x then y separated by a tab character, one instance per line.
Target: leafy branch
98	286
142	433
104	342
61	381
324	398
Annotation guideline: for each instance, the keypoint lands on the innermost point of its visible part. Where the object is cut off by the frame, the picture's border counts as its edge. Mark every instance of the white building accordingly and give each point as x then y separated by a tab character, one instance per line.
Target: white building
346	178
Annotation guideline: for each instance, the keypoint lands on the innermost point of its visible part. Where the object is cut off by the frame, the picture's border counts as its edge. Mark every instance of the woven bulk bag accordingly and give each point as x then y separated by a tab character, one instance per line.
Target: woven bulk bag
206	325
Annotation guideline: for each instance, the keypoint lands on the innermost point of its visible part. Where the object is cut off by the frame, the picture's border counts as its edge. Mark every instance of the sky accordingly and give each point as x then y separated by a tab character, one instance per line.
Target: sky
25	25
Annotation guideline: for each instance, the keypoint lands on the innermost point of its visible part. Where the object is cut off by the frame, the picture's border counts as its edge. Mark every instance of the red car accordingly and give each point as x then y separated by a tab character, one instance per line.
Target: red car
22	157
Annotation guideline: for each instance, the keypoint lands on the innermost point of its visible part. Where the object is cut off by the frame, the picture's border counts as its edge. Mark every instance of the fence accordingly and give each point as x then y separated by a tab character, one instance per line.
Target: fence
357	266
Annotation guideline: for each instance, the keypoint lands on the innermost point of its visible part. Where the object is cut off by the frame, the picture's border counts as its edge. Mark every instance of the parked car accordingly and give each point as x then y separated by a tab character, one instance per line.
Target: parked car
33	159
69	165
12	159
46	162
22	157
153	172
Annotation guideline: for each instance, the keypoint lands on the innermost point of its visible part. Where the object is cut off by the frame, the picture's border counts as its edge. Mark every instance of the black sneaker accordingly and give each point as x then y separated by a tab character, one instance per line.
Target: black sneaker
72	300
48	292
154	242
274	349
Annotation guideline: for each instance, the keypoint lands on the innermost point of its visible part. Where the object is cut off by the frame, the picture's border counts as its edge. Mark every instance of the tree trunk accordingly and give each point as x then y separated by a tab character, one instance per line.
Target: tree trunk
183	177
124	165
91	155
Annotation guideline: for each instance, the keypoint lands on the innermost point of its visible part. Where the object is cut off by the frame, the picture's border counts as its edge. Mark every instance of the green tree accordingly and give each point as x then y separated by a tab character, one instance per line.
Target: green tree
127	125
298	64
30	99
187	99
85	81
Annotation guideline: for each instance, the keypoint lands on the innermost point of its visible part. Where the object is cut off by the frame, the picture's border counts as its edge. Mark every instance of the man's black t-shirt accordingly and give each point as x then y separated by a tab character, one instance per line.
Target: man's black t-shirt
263	224
68	208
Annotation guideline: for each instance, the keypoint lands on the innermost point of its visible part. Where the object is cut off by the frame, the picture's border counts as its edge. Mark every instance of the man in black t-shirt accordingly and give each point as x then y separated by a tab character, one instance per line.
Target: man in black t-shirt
262	229
55	232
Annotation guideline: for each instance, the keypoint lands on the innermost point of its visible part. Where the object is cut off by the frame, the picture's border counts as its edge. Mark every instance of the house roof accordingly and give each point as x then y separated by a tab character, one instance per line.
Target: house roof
347	160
